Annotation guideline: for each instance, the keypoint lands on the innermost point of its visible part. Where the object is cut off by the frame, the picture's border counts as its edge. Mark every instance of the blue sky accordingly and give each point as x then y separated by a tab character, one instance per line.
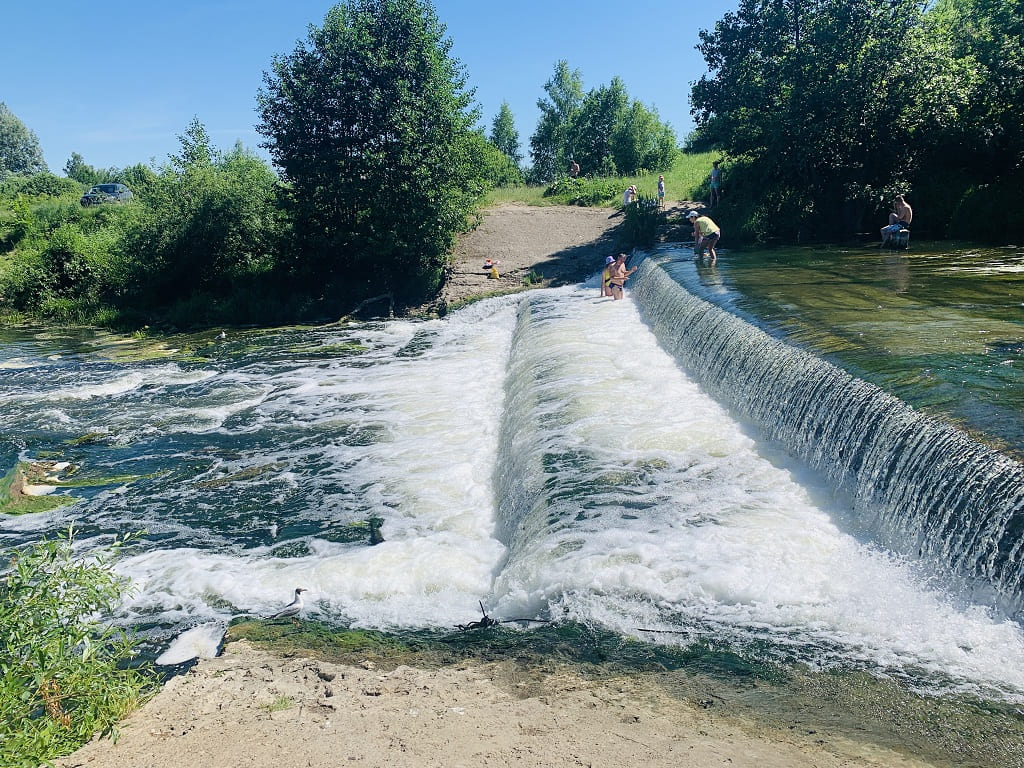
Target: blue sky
118	81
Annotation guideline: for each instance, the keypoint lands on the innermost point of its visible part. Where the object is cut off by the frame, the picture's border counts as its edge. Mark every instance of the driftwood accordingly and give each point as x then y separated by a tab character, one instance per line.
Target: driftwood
374	299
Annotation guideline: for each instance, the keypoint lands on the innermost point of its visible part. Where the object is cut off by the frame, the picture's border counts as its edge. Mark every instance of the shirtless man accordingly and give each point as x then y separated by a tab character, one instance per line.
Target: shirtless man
619	274
899	218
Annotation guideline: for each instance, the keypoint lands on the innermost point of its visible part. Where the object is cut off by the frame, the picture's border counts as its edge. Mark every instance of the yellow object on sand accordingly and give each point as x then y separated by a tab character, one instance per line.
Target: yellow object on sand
494	273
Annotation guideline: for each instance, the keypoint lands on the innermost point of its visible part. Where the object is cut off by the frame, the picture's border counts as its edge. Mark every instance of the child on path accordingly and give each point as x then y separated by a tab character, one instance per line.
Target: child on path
716	185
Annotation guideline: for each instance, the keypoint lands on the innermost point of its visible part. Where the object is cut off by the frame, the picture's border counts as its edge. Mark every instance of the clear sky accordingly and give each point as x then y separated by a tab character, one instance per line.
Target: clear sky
117	81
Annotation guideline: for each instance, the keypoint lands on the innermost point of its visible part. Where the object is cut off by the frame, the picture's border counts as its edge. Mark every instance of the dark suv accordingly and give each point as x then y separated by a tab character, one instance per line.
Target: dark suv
107	193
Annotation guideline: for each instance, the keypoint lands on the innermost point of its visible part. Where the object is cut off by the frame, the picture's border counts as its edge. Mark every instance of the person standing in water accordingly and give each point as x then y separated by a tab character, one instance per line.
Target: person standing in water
619	275
606	277
705	234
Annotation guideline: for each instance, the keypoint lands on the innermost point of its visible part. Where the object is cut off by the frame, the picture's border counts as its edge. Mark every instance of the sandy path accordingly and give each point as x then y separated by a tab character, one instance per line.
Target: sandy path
563	244
253	709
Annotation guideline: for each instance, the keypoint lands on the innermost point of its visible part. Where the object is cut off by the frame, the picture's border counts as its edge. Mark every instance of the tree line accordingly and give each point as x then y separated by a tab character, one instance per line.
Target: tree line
378	163
822	111
826	109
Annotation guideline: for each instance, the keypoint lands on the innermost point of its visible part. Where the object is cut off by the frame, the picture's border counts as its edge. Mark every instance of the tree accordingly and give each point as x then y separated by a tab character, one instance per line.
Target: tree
602	110
504	135
76	168
828	103
19	147
210	224
640	141
551	146
368	120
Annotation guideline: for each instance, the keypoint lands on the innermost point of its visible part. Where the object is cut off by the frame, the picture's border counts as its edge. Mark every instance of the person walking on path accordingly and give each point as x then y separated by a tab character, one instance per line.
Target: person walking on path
705	234
716	185
661	191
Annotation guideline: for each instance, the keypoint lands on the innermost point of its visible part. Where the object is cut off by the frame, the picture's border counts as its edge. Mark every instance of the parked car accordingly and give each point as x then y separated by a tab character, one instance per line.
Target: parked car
107	193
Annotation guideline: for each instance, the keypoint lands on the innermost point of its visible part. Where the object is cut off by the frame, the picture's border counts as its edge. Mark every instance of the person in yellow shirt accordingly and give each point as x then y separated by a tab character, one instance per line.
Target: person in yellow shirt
705	234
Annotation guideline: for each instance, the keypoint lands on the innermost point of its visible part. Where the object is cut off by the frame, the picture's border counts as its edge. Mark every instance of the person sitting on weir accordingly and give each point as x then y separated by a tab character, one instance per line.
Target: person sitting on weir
899	219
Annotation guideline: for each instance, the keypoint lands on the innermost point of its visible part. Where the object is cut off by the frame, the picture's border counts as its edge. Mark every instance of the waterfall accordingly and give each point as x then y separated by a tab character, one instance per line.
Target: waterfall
919	486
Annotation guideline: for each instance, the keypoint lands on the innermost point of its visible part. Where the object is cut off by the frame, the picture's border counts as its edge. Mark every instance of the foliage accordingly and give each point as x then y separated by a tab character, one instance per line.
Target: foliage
368	120
603	131
832	103
551	148
19	146
504	135
210	224
63	673
493	167
583	191
642	220
39	184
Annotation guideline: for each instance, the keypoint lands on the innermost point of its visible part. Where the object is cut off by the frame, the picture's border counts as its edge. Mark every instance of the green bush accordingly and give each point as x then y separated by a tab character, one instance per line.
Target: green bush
40	185
583	191
642	219
63	673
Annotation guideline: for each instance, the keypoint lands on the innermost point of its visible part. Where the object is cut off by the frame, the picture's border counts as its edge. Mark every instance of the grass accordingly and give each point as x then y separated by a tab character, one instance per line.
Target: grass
687	179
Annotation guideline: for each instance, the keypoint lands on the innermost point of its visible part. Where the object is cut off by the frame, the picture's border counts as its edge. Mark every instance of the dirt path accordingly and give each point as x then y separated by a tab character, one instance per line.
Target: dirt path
254	709
552	245
555	245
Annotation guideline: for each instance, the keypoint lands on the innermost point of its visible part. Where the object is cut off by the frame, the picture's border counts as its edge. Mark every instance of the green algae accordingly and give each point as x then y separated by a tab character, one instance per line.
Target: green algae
14	501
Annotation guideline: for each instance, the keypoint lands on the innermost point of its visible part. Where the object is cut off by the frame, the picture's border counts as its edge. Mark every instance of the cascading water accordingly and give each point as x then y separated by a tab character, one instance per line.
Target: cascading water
921	486
541	453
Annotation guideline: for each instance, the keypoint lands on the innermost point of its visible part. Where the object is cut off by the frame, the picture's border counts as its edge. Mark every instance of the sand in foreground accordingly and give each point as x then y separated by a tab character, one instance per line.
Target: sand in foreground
255	709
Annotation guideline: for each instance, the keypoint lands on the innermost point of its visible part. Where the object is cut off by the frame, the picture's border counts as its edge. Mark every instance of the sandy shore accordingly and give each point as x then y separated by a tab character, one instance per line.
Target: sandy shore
254	709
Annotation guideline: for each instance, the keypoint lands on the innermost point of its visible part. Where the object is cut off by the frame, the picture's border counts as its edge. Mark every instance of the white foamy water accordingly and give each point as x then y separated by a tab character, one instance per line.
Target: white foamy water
553	462
689	523
431	416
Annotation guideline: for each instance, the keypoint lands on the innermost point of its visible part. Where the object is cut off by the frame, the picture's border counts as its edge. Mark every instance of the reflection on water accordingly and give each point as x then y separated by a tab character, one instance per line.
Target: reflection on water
942	328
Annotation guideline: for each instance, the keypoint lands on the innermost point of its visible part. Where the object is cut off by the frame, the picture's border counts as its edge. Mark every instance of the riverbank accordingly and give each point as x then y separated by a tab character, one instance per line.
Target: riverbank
254	708
536	247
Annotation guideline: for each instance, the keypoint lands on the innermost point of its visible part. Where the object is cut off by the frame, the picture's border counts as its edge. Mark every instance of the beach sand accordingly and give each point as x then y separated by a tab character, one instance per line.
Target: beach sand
256	709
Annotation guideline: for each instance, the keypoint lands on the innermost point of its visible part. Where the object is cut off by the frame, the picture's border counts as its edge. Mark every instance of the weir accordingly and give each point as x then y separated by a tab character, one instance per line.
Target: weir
919	486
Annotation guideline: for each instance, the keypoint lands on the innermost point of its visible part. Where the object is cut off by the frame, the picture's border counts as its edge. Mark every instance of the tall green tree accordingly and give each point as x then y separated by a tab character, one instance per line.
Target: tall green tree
367	120
19	146
76	168
504	134
829	104
551	146
640	141
602	110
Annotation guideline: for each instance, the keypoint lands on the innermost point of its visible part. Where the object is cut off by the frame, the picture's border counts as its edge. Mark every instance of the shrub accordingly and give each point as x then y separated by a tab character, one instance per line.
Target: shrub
62	672
583	191
642	219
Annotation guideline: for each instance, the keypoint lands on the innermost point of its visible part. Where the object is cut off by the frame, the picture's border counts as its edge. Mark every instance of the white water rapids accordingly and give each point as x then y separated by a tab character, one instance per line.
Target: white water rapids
540	453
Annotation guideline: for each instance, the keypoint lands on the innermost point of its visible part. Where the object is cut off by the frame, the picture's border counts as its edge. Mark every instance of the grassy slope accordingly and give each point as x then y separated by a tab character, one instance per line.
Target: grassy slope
685	180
